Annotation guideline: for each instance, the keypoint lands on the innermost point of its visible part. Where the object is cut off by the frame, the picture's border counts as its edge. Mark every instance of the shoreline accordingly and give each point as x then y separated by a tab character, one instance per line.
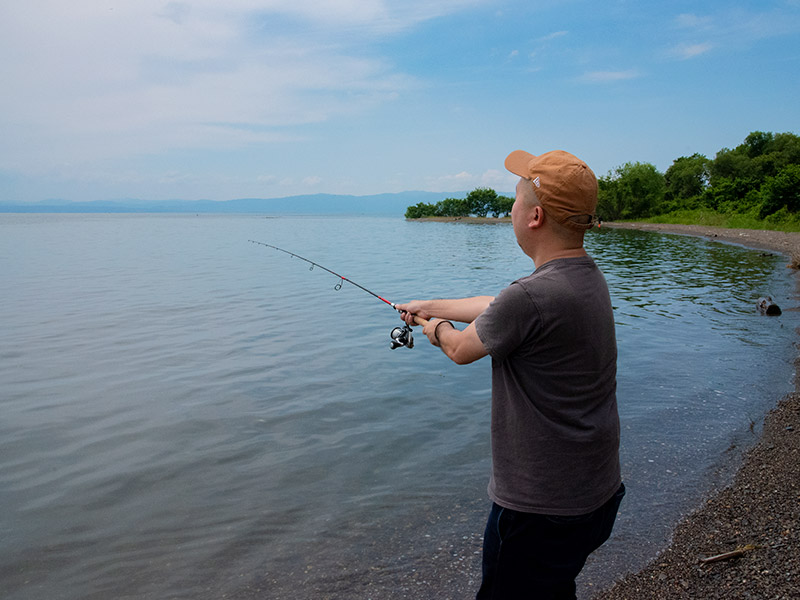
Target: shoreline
478	220
758	513
778	241
787	243
758	510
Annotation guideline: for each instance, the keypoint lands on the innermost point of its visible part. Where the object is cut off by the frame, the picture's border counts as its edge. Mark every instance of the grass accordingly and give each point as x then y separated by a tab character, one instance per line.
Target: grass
708	218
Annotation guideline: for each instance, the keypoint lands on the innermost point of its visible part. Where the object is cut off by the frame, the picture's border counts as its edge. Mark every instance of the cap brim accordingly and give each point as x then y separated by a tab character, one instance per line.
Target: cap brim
518	162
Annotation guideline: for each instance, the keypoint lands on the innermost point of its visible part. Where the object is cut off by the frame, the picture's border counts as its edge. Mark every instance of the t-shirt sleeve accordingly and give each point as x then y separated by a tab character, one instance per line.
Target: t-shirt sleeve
507	322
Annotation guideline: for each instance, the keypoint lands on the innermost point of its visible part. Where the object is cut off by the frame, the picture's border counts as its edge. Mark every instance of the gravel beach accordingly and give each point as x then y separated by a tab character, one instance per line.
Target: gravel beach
743	542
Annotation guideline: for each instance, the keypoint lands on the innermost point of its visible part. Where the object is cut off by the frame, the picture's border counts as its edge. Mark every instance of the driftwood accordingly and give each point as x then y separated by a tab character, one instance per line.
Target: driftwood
740	551
767	307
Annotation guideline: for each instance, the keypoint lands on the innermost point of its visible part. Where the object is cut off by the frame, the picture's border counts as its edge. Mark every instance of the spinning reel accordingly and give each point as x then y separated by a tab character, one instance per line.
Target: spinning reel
402	336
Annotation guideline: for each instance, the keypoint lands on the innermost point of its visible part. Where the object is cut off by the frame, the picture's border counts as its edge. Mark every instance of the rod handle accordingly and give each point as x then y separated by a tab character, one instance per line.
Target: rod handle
419	320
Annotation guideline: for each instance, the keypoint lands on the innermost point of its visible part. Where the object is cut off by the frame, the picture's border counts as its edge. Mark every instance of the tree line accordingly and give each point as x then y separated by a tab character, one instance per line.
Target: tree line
759	178
480	202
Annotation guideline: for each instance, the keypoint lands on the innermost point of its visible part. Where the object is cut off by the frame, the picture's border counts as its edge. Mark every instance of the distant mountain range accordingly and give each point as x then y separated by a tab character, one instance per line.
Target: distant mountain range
330	204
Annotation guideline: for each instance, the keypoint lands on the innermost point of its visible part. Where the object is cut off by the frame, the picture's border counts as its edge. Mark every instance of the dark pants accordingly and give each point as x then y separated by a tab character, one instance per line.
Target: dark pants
533	556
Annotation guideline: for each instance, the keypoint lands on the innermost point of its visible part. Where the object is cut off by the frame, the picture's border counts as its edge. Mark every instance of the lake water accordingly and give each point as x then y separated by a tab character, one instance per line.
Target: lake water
189	415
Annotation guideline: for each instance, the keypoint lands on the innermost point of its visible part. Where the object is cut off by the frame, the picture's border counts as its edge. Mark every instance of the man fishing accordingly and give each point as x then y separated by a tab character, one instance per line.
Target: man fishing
555	482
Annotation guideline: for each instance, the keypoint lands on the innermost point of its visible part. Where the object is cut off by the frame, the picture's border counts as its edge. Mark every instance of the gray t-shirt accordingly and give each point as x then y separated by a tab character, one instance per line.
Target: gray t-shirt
555	426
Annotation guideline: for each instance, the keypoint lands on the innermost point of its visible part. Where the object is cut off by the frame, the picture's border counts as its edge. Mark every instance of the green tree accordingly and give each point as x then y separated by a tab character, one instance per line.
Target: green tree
781	192
752	176
733	196
787	147
757	143
452	207
760	156
420	210
632	191
731	164
687	178
501	206
480	201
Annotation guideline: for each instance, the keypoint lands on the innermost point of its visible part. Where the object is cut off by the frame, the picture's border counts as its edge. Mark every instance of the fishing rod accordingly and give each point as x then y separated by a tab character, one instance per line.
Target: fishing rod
401	336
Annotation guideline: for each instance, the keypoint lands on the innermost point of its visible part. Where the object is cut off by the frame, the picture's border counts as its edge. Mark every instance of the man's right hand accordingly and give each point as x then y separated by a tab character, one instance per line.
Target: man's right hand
411	309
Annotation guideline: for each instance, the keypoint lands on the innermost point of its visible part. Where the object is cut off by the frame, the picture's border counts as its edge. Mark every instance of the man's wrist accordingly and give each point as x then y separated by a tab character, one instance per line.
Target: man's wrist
436	329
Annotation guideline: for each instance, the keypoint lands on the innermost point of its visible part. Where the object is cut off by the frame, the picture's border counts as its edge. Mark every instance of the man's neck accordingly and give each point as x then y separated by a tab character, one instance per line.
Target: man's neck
543	256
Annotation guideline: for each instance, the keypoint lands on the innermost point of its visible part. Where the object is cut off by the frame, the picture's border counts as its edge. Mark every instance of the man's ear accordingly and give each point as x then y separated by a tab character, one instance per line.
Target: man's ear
536	218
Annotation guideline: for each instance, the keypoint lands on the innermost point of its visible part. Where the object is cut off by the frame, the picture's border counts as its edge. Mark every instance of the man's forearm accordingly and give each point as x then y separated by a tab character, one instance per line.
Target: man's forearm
464	310
462	347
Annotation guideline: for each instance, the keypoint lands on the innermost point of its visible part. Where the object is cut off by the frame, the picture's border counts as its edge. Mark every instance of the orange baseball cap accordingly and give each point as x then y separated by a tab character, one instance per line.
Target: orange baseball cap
564	184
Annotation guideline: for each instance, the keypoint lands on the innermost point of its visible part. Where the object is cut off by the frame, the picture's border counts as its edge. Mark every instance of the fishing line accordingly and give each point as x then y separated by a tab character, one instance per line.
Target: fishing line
401	336
338	286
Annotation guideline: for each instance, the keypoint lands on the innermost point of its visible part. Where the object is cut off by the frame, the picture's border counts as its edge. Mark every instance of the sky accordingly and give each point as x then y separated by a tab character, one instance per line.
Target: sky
213	99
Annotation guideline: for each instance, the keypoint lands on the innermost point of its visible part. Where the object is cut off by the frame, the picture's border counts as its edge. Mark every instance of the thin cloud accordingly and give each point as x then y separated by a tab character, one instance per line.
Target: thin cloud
462	176
688	51
735	26
145	77
500	181
452	181
552	36
692	21
541	55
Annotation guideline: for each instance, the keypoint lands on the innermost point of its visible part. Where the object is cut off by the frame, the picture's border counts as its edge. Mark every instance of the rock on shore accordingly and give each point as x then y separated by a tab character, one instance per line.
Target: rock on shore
758	514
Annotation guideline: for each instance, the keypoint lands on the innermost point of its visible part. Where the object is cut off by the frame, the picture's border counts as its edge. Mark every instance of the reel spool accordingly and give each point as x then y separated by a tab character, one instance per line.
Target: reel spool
402	336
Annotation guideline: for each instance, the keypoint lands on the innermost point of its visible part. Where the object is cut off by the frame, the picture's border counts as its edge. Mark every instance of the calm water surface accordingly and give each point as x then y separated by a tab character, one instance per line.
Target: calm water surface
188	415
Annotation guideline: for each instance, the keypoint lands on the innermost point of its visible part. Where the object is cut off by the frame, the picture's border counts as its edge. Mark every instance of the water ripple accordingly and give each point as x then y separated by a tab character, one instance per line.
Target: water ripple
181	407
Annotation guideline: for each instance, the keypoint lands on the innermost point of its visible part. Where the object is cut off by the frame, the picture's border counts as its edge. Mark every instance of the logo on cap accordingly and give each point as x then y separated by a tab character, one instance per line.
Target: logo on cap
537	183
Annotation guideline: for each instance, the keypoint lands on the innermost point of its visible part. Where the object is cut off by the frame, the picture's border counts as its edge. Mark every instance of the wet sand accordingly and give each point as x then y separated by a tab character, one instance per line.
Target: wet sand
757	516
